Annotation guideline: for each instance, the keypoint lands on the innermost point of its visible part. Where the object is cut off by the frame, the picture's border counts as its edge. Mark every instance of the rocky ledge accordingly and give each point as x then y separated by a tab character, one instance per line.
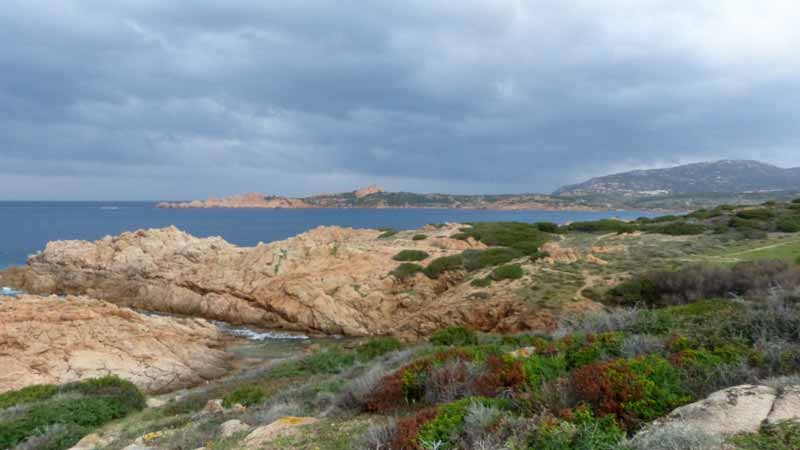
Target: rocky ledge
59	340
329	280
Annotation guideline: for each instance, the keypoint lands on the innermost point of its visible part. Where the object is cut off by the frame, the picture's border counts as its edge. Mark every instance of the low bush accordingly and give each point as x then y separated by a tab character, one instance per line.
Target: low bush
330	361
547	227
411	255
506	234
448	423
635	390
27	395
454	336
781	436
756	214
406	270
539	369
678	229
580	351
443	264
386	232
91	403
245	396
376	347
790	224
604	226
663	288
581	431
507	272
480	259
419	237
481	282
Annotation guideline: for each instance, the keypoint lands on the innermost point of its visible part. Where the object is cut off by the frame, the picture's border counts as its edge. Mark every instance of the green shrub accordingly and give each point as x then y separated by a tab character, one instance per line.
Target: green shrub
406	270
411	255
27	395
387	232
506	234
481	282
604	226
789	224
782	436
123	393
94	403
582	432
507	272
245	396
448	423
547	227
634	291
756	214
330	361
538	369
580	351
376	347
796	201
480	259
443	264
458	336
678	229
419	237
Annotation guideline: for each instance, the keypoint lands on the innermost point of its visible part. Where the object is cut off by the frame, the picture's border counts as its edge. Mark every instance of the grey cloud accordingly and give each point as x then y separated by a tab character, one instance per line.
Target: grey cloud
474	96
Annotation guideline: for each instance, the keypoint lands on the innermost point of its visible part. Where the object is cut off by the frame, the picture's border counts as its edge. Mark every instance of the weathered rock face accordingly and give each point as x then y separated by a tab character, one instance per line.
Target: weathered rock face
329	280
59	340
740	409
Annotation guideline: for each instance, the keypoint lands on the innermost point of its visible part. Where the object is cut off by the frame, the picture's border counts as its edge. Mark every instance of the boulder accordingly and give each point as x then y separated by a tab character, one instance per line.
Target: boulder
283	427
706	423
232	427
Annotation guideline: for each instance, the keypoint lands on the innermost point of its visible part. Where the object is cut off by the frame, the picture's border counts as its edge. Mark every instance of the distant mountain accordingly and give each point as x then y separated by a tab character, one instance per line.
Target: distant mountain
700	179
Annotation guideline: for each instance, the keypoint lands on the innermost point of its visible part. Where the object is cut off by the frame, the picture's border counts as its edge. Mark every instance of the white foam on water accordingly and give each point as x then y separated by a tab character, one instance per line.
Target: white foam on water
9	292
254	335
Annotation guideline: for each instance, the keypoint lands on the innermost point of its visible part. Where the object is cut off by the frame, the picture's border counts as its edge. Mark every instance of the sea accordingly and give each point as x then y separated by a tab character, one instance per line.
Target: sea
26	227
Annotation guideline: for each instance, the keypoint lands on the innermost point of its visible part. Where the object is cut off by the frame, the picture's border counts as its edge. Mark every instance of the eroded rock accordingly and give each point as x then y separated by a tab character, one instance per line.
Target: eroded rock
59	340
330	280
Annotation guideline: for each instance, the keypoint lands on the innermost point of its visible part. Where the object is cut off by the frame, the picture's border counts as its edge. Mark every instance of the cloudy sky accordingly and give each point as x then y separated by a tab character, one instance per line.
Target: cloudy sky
155	99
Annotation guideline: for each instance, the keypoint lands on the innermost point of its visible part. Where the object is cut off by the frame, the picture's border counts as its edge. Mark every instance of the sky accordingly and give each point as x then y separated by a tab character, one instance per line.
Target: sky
169	100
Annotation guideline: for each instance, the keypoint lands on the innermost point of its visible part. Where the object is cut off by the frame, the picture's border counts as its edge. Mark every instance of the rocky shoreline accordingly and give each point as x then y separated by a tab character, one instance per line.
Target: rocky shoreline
328	281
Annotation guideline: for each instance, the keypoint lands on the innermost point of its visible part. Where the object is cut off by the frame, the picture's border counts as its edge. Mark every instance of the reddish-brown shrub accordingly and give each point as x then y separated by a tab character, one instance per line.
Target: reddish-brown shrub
606	388
499	376
407	429
391	391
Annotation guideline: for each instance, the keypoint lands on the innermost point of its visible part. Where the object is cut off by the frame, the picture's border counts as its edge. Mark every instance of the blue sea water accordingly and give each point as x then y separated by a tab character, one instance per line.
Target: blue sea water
25	227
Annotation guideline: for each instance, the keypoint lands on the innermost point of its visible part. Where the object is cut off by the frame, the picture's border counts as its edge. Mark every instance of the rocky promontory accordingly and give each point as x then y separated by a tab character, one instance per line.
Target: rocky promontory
53	340
329	280
250	200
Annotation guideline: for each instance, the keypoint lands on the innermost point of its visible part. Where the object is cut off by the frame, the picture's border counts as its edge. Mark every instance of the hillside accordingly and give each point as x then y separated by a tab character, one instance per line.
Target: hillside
700	179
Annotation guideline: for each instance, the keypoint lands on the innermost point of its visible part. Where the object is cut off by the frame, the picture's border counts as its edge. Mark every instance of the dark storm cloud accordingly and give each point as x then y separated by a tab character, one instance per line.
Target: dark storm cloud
153	99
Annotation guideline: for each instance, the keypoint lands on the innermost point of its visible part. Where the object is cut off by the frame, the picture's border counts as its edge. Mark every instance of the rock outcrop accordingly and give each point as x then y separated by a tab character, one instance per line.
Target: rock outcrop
59	340
250	200
369	190
329	280
739	409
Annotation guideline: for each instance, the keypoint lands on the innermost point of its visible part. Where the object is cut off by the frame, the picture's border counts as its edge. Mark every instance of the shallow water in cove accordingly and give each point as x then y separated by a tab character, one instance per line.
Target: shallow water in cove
26	227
